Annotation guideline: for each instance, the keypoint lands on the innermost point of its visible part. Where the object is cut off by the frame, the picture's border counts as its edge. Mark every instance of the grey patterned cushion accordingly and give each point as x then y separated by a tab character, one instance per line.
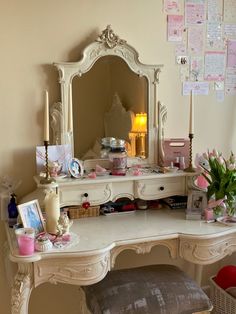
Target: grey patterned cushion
155	289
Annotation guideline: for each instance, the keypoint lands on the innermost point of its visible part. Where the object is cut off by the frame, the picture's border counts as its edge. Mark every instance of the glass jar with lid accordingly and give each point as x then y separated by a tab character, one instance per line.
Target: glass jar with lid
106	146
118	157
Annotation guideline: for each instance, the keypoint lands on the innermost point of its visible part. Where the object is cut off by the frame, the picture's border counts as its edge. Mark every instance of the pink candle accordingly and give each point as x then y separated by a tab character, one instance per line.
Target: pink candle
26	244
25	239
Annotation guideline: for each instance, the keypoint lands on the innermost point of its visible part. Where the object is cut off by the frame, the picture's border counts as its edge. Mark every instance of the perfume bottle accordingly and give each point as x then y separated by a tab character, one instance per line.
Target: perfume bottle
176	162
12	211
181	163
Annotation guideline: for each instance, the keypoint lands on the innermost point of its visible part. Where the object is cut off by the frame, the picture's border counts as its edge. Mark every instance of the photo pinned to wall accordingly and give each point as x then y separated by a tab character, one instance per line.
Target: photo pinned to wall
76	168
31	216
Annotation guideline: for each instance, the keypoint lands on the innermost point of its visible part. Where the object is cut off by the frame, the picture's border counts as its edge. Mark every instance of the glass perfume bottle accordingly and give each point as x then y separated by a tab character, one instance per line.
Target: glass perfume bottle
12	211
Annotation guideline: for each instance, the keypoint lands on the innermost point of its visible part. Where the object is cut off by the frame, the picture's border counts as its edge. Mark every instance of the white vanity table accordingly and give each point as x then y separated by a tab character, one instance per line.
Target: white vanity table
103	238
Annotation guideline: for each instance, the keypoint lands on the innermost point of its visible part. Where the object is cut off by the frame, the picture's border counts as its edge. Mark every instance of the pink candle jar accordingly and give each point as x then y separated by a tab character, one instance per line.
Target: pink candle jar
118	157
25	239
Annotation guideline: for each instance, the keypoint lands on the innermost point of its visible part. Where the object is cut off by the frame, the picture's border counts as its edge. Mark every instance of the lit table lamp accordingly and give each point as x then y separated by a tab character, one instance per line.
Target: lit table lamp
139	128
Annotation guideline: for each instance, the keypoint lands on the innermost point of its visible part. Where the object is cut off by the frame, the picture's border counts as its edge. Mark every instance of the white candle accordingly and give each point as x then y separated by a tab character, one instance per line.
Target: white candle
52	209
46	118
70	111
191	114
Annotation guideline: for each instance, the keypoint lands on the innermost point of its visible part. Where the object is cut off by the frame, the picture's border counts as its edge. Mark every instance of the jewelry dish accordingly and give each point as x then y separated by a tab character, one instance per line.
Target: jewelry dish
229	221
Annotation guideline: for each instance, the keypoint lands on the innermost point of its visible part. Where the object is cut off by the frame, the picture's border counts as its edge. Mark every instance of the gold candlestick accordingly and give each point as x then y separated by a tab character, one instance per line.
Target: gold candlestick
190	167
47	179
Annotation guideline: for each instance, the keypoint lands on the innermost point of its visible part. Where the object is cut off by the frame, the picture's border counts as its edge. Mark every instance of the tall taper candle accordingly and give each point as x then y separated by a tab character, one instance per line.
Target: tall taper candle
191	115
70	110
46	118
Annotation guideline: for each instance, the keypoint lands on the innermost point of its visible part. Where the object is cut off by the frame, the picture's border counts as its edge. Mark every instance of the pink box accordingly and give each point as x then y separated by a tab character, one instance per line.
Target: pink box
176	147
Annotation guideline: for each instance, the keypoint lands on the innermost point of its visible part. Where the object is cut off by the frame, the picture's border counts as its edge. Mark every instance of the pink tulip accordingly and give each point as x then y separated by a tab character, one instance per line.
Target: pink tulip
220	160
231	167
215	153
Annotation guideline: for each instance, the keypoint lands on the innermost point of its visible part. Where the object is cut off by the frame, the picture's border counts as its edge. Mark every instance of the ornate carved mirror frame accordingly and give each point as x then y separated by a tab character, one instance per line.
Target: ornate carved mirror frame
109	44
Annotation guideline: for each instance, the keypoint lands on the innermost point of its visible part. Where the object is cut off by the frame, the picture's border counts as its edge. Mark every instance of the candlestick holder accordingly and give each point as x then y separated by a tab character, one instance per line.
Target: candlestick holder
47	179
190	168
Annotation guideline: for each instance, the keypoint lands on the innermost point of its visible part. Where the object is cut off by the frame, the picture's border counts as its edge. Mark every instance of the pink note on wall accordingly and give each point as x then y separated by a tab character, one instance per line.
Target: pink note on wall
231	54
175	27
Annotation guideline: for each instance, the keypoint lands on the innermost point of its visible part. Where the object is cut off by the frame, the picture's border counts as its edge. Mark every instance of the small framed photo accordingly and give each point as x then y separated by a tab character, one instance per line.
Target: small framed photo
76	168
31	216
197	201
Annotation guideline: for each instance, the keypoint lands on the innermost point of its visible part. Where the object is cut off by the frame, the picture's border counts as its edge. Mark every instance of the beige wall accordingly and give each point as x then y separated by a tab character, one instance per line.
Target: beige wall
36	33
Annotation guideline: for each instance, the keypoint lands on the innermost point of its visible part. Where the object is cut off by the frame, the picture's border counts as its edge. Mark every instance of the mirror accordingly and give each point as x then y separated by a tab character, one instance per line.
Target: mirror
105	94
105	101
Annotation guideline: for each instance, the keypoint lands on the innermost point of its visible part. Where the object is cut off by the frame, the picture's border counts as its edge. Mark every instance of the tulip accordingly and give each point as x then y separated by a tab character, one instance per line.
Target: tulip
220	160
232	158
231	167
215	153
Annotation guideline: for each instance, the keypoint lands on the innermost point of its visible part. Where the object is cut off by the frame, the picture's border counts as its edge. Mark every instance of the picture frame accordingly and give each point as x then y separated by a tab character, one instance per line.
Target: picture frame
76	168
197	201
31	216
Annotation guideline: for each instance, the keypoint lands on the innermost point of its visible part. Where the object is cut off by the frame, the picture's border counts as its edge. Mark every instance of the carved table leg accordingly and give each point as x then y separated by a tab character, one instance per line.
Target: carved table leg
23	284
198	274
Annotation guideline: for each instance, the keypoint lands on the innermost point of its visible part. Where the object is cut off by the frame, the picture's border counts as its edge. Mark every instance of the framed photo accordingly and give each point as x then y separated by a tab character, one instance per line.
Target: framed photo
76	168
31	216
197	201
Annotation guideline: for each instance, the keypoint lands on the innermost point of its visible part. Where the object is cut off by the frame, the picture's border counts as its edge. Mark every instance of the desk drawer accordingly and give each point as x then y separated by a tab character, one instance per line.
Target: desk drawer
74	195
160	187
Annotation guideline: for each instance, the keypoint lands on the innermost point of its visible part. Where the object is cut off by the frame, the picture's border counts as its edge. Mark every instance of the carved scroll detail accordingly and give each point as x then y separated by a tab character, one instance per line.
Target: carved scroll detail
56	122
82	271
23	284
145	247
156	76
162	113
207	251
109	38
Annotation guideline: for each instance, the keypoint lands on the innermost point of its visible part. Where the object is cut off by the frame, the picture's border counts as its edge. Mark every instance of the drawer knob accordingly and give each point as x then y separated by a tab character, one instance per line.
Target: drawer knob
161	188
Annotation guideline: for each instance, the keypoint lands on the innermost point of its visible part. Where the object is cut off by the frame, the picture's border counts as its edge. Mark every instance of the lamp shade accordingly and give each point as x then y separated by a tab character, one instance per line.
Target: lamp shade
140	123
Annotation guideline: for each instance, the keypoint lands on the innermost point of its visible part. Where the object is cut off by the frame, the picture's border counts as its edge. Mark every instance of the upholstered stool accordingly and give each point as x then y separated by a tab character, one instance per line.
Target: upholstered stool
163	289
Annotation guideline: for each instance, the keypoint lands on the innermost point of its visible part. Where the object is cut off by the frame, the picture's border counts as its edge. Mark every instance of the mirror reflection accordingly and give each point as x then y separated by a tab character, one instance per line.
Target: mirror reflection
109	100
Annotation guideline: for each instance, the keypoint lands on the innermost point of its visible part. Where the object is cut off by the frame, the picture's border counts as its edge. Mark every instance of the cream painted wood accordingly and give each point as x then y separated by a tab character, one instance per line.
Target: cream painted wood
109	188
109	44
103	238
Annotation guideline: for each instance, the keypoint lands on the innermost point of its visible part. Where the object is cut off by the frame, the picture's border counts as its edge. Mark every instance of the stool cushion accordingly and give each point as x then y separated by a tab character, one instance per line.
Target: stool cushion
152	289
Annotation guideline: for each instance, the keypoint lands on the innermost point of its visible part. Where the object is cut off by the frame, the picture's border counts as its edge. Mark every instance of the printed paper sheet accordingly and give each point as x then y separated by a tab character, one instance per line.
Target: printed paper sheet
195	39
230	11
214	65
175	26
171	6
195	12
197	68
214	36
215	10
199	88
231	54
230	31
230	81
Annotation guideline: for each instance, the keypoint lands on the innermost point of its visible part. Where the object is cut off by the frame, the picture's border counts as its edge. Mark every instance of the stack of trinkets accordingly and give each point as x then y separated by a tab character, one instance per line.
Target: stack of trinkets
57	224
